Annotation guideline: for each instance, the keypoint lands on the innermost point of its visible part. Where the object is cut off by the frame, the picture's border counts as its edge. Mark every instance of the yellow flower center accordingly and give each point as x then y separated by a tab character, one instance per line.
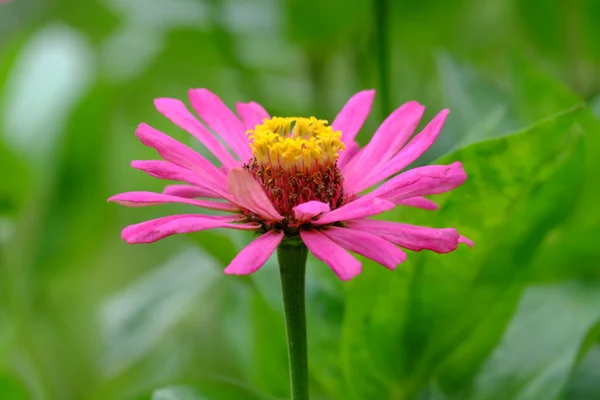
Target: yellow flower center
295	162
295	143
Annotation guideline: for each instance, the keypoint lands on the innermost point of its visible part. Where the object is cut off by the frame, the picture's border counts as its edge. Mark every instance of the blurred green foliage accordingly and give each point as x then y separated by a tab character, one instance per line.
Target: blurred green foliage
84	316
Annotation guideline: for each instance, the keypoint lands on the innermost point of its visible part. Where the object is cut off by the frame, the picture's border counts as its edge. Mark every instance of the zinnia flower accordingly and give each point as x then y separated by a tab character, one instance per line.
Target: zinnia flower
285	177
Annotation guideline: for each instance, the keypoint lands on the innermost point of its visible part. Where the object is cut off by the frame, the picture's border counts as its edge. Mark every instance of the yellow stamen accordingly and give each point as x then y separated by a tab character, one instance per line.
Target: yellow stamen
295	142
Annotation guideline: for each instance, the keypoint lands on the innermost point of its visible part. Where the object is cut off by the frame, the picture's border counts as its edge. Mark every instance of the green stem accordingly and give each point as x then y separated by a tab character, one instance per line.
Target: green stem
382	11
292	265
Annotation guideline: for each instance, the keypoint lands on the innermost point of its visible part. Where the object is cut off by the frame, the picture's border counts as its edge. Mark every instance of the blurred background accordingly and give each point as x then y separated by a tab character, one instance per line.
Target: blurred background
83	316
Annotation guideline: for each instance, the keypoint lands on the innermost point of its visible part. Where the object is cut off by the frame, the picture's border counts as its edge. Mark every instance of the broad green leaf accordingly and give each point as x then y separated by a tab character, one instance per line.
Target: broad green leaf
527	186
447	311
540	345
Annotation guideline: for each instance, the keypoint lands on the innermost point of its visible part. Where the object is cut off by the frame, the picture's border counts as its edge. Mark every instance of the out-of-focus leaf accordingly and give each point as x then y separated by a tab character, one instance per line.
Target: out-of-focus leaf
539	348
49	76
177	393
470	98
12	389
210	388
133	320
585	381
13	190
536	94
514	195
332	20
269	350
595	106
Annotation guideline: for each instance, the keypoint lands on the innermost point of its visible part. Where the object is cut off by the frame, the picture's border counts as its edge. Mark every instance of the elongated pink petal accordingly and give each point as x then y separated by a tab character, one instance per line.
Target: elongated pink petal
418	202
178	113
247	193
143	199
411	237
189	192
252	114
342	263
368	245
156	229
392	134
179	154
362	207
466	241
431	179
352	151
255	255
413	150
306	211
353	115
222	121
166	170
349	165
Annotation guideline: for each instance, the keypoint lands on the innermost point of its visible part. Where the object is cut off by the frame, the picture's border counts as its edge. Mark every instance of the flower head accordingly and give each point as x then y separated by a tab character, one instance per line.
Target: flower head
294	176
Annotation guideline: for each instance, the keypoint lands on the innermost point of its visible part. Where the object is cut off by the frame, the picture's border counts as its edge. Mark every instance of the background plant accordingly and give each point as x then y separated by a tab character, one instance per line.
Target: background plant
83	316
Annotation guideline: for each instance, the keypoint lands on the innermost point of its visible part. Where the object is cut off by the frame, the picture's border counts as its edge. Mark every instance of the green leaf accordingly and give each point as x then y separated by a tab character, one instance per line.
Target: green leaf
11	388
520	189
133	320
177	393
446	312
585	381
540	345
479	109
210	388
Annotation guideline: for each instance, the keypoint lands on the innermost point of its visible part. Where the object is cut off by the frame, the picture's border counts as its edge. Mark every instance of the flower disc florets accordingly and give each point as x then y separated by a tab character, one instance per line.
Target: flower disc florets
295	162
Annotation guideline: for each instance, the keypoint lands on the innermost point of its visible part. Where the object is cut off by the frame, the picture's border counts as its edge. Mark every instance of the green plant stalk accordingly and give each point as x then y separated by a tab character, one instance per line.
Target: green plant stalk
381	22
292	266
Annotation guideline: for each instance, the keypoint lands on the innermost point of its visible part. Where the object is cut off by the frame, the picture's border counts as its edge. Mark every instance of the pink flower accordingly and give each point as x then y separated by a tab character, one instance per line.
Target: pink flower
285	177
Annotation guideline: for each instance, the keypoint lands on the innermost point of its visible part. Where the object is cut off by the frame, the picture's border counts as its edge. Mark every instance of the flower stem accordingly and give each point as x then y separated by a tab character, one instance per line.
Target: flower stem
292	265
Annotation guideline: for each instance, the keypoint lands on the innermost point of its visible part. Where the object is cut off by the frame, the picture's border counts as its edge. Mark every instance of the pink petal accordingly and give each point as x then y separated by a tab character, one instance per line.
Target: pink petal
252	114
393	133
156	229
170	171
343	264
351	152
415	148
368	245
222	121
466	241
306	211
143	199
178	113
255	255
179	154
362	207
353	115
431	179
349	164
247	193
411	237
189	192
418	202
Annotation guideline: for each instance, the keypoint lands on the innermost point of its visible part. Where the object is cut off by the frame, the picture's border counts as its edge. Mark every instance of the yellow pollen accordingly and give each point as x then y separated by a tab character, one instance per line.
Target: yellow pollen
295	142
